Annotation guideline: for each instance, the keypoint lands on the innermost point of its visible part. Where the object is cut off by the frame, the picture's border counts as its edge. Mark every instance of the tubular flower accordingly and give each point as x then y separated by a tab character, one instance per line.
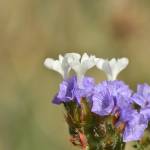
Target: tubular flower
80	66
113	67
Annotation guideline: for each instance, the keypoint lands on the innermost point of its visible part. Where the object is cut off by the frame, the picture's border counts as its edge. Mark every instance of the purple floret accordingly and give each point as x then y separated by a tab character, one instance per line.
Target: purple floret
107	95
86	90
65	93
135	123
69	90
134	127
103	103
111	97
142	98
115	88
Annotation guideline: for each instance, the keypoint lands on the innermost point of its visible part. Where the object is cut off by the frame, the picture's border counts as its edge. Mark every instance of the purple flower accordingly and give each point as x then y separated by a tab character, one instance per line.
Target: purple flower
142	98
135	124
107	95
86	90
65	93
103	103
69	90
123	103
117	87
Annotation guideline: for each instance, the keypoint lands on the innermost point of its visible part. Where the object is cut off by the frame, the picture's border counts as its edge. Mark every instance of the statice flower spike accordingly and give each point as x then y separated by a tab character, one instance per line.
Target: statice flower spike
101	116
80	66
61	65
113	67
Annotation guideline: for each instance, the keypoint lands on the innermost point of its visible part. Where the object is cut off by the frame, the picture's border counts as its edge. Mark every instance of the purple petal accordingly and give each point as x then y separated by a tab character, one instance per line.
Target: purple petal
134	129
86	90
142	97
146	112
102	104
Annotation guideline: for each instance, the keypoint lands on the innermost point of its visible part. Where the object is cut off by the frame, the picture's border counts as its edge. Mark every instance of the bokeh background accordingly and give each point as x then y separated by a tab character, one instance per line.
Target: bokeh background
31	30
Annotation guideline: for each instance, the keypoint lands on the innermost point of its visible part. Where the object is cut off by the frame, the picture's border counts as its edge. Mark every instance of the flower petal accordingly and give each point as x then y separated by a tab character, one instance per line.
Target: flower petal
80	66
61	65
117	66
113	67
54	65
135	128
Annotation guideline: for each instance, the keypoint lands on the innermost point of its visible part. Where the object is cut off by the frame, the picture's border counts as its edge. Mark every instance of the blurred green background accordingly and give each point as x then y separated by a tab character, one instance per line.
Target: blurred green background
31	30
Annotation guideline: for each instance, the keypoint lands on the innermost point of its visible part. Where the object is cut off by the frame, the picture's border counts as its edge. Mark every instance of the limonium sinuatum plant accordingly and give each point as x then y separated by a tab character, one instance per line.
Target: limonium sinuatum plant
103	116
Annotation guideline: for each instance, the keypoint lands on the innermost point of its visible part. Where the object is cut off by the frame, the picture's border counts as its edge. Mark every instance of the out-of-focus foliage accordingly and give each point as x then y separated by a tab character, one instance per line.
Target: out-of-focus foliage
31	30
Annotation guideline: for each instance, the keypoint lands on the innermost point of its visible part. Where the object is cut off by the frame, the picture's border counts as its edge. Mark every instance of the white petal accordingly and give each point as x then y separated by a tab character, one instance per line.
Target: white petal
113	67
103	64
73	56
88	61
54	65
117	66
65	67
61	58
99	62
61	65
84	57
81	66
73	60
107	69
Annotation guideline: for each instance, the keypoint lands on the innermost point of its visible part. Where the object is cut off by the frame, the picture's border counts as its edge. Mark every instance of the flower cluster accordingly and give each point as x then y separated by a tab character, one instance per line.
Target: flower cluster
111	97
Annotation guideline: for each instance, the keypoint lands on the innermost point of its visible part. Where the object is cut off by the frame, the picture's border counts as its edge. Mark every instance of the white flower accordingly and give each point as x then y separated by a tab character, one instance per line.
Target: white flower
61	65
113	67
80	66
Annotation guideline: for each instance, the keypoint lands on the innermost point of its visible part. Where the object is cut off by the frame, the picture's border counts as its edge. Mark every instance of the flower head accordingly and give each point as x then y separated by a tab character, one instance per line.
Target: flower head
111	99
113	67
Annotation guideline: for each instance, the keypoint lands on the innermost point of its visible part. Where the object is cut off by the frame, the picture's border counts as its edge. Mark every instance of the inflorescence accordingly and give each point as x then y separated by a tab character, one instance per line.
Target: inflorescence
89	105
